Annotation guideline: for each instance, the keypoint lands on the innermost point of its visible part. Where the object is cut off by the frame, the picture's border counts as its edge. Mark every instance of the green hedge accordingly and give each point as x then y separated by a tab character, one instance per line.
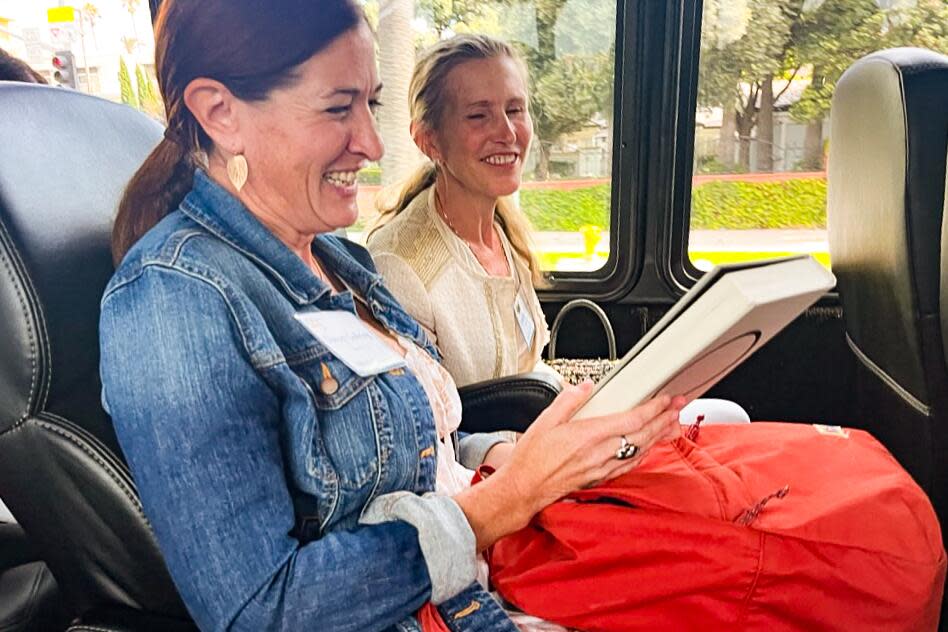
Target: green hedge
714	205
371	174
553	210
788	204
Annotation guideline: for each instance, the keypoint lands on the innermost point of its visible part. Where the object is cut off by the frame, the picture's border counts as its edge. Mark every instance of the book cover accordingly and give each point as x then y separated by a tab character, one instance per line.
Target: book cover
730	313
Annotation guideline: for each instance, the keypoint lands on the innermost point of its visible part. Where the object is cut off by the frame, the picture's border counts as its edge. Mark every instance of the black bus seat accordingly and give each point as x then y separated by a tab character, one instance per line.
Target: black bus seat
888	135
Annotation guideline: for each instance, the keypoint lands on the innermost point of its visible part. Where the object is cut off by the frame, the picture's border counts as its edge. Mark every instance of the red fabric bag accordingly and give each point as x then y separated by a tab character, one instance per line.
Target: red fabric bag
762	526
430	619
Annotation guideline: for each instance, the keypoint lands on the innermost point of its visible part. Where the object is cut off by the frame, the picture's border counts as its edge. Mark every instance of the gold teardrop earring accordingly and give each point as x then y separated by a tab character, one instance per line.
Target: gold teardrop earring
237	171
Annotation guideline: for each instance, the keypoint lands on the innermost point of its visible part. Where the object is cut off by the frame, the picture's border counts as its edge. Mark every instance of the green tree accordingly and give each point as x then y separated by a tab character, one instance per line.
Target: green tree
90	15
829	39
571	65
140	86
743	47
568	48
130	44
457	15
148	100
924	25
125	85
564	97
746	44
837	33
132	6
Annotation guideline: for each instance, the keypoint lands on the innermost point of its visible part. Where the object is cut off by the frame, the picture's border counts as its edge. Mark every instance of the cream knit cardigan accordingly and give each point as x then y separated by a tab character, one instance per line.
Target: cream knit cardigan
468	313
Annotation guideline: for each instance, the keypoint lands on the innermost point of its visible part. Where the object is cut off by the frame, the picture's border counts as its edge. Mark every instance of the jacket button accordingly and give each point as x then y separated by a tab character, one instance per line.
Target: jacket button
329	385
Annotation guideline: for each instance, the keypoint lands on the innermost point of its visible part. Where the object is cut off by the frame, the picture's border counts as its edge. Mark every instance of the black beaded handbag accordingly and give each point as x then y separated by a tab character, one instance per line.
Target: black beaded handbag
575	370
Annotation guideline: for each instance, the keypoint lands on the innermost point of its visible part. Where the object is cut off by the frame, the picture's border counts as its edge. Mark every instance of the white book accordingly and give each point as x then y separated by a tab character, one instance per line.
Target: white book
730	313
5	515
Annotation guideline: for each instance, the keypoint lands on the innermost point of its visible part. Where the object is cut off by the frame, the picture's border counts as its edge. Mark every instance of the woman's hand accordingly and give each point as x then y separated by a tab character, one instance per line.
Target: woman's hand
499	454
557	456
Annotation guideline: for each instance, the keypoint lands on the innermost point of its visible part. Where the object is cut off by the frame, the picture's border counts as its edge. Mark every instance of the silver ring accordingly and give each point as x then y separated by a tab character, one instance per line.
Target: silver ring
626	450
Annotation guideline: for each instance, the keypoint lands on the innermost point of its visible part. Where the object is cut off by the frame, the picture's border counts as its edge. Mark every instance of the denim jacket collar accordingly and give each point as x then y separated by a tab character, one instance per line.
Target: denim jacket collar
221	213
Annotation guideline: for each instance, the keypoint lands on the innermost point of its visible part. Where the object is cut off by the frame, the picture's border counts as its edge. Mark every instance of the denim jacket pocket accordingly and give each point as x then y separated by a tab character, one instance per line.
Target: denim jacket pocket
349	419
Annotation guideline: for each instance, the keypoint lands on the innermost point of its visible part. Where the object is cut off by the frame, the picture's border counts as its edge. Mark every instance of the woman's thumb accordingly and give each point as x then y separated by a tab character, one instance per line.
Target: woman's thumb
570	399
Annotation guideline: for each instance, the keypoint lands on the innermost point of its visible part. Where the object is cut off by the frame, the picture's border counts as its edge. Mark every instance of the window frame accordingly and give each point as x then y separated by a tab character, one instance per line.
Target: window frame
619	271
639	67
664	152
679	271
652	170
652	154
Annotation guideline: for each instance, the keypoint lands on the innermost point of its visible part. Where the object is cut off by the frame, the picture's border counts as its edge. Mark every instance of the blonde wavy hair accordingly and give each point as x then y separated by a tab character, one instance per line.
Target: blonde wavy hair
427	97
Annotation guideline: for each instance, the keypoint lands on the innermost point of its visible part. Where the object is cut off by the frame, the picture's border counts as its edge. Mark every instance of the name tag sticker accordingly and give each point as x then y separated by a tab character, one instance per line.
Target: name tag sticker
352	341
527	327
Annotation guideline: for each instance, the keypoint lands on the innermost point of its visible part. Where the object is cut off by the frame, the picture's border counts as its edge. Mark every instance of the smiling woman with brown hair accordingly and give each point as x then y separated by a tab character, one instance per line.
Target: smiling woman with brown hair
288	425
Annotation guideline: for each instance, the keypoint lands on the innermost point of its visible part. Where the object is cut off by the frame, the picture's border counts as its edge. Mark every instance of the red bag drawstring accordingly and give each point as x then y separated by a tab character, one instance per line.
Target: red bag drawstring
749	515
695	429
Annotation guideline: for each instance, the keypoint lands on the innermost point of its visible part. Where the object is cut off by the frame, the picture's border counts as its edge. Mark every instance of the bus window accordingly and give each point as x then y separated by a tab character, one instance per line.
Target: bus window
569	48
766	77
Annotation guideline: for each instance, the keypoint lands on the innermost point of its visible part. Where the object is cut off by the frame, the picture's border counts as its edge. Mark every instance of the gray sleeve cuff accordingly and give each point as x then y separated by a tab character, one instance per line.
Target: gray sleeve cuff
474	447
444	534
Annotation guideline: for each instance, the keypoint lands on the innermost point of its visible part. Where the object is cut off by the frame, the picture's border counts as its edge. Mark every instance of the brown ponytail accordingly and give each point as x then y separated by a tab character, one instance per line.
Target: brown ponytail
155	190
250	47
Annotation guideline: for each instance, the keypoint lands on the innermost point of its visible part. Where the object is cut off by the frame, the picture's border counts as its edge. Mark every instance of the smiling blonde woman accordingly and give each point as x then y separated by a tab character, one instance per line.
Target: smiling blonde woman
453	248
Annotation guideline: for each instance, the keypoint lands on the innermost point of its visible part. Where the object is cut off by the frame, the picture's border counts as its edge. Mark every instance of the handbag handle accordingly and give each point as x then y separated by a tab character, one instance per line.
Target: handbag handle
582	302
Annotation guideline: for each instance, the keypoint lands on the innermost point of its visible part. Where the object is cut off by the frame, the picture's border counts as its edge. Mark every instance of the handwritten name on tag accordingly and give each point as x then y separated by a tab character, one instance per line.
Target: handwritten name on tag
352	341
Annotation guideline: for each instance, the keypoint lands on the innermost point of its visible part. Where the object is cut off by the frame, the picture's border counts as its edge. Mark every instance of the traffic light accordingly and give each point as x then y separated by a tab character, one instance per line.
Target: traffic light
64	69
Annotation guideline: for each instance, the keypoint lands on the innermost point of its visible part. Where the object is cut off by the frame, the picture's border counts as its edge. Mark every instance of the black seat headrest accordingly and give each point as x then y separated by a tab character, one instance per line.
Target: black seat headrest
64	161
889	129
944	272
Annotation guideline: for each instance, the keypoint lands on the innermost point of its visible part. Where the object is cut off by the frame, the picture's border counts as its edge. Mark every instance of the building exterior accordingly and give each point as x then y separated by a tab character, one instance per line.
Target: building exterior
100	34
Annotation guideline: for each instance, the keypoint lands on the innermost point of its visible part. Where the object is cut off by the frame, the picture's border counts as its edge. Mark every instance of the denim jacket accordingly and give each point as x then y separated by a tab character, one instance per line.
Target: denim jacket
286	492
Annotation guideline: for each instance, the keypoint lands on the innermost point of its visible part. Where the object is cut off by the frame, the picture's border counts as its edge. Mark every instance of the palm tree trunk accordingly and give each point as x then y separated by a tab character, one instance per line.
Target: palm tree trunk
396	60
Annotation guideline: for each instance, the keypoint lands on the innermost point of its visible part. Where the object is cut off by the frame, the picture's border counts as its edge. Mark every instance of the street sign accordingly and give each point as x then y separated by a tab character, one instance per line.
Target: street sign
62	36
35	53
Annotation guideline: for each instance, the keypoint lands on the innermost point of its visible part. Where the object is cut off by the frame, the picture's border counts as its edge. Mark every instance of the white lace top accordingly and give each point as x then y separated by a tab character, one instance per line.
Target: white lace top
451	476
